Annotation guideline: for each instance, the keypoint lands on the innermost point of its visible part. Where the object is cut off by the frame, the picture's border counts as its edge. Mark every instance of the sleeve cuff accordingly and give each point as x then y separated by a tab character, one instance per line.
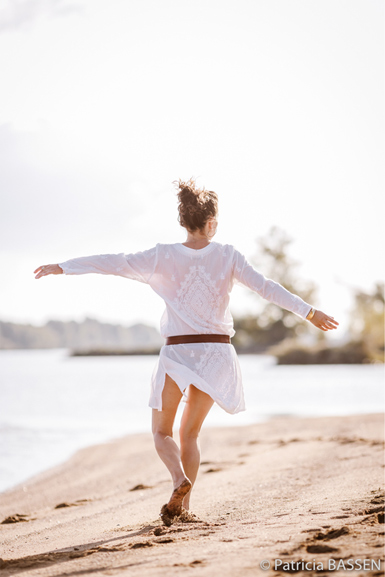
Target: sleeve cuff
65	268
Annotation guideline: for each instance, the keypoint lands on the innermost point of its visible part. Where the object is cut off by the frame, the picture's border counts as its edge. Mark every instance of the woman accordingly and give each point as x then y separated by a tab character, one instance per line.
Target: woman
198	361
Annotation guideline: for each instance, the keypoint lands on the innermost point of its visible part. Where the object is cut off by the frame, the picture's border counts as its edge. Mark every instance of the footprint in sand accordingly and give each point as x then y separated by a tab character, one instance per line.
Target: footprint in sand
17	518
317	512
312	546
374	514
379	500
140	487
192	564
140	545
374	519
374	510
51	558
332	534
165	540
320	549
74	504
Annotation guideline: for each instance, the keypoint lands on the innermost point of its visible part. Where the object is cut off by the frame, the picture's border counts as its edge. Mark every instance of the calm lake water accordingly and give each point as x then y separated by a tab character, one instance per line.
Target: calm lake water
52	405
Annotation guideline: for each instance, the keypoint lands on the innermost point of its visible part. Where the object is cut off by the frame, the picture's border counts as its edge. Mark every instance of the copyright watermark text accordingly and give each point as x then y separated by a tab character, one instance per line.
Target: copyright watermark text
329	565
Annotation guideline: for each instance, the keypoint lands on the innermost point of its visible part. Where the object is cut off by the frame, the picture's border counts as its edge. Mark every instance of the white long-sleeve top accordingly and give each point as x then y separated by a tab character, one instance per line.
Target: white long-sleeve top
195	286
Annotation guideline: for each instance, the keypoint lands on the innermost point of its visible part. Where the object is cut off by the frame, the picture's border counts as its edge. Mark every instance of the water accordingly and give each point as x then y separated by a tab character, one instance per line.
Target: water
52	405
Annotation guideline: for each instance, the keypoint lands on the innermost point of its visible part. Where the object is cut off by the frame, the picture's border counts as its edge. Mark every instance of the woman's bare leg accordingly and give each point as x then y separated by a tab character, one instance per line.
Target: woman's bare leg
168	451
197	407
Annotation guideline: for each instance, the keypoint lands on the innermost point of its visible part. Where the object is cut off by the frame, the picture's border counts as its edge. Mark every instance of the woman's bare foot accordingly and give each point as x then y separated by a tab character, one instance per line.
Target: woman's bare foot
167	518
175	503
174	507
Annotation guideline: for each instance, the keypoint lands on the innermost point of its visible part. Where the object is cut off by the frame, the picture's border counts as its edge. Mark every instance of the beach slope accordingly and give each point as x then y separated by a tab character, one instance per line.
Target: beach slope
284	492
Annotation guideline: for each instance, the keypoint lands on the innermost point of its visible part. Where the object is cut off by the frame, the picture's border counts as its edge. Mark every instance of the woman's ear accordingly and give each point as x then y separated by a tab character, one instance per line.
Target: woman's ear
212	226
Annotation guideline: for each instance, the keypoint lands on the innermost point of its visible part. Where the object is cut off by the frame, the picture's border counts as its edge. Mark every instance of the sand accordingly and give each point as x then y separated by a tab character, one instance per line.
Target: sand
288	491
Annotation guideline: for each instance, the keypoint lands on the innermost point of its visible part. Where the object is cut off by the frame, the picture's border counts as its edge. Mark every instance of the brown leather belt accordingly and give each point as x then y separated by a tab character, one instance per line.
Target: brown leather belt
185	339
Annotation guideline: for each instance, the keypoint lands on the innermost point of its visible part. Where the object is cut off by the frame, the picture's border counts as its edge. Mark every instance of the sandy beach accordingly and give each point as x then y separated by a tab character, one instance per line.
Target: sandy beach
287	492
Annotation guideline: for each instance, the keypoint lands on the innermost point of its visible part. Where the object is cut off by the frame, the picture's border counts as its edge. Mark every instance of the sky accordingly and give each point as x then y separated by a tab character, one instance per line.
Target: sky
277	105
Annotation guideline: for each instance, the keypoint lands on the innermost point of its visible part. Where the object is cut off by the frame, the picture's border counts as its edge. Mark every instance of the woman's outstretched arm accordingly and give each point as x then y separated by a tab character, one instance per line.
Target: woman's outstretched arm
138	266
273	292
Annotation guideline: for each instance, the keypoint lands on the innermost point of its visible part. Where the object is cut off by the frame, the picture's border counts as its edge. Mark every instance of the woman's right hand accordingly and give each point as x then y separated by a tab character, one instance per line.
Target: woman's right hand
47	269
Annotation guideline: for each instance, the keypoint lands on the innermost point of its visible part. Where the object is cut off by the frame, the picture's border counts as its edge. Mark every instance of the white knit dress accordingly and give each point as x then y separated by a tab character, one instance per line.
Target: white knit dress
195	286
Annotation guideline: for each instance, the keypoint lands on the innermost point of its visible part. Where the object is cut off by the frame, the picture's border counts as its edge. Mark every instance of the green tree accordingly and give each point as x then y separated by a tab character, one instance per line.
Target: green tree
273	260
273	324
367	321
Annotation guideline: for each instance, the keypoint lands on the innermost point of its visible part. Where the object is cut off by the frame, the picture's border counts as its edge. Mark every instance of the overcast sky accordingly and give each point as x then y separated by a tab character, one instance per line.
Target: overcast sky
277	105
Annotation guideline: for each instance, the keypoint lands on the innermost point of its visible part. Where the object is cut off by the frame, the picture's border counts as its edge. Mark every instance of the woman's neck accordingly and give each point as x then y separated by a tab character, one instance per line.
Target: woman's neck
196	240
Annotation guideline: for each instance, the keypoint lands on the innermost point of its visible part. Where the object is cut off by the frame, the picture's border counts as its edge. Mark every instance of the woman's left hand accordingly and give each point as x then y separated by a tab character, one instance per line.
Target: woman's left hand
323	322
47	269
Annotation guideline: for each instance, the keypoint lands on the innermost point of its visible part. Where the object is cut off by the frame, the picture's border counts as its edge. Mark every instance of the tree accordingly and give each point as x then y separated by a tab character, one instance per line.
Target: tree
273	260
273	324
366	344
367	320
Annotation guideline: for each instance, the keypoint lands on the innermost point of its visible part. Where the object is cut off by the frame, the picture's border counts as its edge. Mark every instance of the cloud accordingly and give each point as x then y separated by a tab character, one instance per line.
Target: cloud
18	13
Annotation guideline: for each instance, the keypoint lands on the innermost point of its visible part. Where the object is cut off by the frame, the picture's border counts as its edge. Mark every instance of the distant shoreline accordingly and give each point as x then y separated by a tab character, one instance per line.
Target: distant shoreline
292	354
295	354
92	338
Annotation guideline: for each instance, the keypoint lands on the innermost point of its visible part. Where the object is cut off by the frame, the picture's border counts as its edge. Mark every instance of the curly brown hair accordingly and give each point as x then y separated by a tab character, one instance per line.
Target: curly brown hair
196	205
